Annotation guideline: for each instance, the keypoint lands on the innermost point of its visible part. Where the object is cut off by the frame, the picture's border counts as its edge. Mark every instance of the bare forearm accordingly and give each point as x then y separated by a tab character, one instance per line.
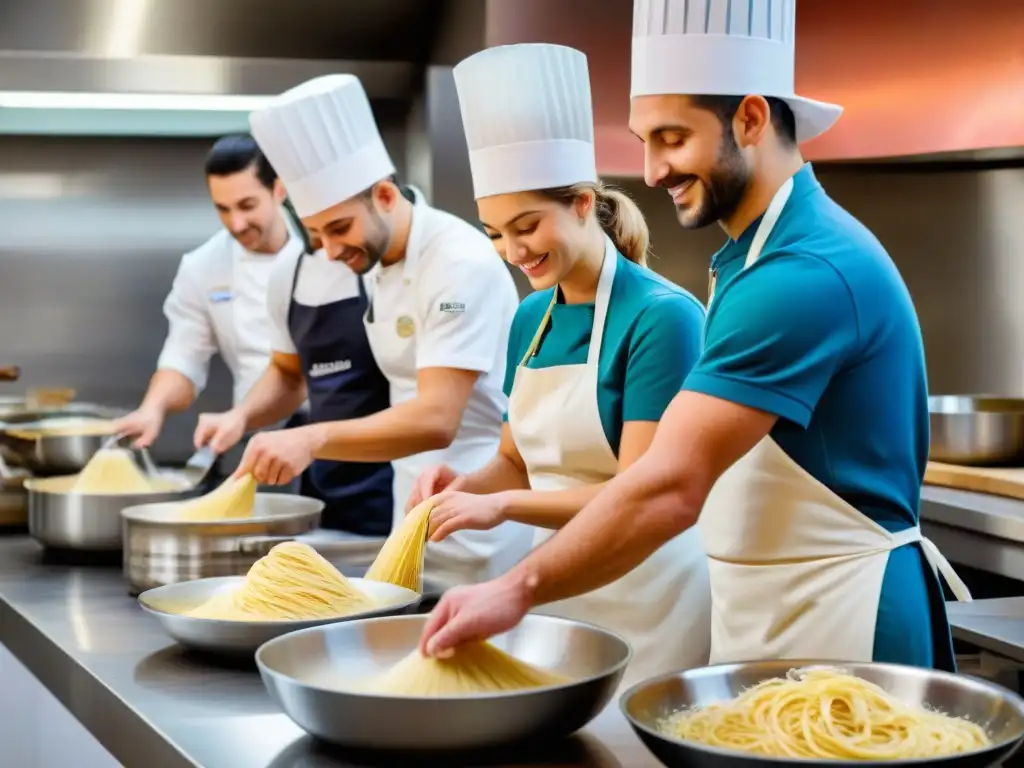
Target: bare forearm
497	475
169	392
548	509
275	397
634	514
402	430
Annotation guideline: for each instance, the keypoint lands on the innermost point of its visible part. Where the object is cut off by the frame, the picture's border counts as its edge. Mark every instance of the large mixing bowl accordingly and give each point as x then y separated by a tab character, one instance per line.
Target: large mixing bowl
977	430
998	710
302	671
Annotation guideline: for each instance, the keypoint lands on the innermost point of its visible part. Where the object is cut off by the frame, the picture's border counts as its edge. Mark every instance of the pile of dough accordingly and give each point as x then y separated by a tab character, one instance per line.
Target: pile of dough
476	667
292	582
233	498
112	471
400	560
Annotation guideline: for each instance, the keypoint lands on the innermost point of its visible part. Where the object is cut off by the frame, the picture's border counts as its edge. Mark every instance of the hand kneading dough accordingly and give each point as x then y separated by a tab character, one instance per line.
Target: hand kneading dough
400	560
476	667
112	471
292	582
233	498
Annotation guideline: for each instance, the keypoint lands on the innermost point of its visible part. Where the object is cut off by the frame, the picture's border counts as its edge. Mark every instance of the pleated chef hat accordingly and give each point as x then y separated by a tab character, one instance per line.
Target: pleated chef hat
323	142
527	115
723	48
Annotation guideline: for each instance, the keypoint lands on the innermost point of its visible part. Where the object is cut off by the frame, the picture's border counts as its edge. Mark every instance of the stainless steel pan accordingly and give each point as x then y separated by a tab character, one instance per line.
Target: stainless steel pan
998	710
55	454
306	671
977	430
243	637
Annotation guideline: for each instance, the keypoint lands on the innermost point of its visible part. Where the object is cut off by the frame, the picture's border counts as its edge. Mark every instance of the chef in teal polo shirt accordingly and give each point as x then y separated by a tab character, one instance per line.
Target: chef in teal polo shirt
799	440
595	354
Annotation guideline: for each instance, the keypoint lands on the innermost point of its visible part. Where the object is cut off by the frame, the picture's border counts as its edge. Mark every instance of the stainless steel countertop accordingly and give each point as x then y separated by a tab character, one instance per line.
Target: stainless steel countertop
996	516
149	703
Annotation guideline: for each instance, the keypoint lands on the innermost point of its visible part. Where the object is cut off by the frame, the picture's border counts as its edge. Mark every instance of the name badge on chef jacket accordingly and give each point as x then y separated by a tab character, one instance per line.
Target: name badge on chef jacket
405	327
219	295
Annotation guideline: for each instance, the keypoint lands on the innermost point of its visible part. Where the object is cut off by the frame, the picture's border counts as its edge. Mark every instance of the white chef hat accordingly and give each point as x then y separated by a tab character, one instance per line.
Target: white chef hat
723	48
323	142
527	115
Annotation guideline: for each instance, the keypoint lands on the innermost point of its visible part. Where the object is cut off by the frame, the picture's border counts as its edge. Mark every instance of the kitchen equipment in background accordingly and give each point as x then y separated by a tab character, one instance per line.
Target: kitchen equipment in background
998	481
10	373
160	548
978	430
13	496
45	440
243	637
998	710
302	669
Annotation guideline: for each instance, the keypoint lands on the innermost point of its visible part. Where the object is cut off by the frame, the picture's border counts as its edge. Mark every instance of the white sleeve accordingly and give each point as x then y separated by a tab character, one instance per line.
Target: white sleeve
459	326
279	299
190	339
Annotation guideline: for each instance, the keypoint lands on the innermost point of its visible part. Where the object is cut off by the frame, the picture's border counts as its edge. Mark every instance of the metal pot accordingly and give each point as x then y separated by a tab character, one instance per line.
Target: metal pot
977	430
60	519
54	454
160	548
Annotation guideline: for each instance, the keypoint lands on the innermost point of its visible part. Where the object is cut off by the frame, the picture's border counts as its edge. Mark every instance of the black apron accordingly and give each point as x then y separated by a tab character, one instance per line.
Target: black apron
343	382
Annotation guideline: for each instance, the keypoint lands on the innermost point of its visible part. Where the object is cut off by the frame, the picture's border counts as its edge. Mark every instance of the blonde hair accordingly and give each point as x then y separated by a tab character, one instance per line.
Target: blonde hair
617	214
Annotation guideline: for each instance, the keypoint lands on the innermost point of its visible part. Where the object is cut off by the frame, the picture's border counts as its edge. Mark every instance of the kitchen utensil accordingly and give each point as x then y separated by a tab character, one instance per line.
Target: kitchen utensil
977	430
160	548
998	710
169	602
200	463
998	481
302	671
54	454
58	518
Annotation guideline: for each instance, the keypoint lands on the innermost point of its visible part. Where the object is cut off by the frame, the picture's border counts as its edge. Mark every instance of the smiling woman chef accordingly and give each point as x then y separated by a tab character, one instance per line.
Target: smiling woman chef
594	356
801	436
438	320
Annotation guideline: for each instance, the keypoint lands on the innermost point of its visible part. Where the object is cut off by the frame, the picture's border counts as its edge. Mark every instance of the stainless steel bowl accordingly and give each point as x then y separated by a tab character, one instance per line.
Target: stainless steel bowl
160	548
301	670
57	454
169	603
998	710
977	430
60	519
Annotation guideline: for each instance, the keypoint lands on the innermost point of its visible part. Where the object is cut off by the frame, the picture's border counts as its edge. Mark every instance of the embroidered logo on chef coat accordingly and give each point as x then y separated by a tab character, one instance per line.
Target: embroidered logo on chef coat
220	294
453	307
326	369
405	327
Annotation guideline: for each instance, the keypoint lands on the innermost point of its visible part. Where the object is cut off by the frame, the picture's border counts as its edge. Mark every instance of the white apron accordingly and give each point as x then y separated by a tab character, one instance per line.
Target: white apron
796	571
663	606
465	557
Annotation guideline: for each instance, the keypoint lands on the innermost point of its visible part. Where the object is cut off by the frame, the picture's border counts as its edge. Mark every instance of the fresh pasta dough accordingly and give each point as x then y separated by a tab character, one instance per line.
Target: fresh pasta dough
821	712
112	471
234	498
400	560
476	667
292	582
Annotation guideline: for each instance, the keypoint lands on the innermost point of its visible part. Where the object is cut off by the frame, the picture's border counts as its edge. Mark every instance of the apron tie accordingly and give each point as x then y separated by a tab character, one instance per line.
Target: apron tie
937	561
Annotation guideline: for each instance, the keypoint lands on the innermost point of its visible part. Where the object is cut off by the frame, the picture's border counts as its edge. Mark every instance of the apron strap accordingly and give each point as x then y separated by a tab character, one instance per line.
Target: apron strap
937	561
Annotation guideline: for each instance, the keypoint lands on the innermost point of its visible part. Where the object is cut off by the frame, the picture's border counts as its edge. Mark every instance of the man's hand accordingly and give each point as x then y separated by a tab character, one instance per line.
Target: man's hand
431	482
222	431
476	612
277	458
454	511
143	424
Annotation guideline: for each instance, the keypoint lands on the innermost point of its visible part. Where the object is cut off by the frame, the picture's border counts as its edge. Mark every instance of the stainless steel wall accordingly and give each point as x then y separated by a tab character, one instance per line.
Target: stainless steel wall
91	233
957	236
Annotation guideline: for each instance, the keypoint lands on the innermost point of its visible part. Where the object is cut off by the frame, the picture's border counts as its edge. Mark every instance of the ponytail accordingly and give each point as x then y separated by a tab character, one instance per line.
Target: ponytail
618	215
622	221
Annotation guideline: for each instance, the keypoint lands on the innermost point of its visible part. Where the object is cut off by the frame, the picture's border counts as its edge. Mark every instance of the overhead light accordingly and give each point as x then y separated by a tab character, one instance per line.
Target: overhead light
131	101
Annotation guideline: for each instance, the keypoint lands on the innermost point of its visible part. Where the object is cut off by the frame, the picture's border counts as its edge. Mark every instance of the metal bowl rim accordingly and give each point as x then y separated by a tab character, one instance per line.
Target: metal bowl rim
110	497
135	513
1014	699
500	695
411	599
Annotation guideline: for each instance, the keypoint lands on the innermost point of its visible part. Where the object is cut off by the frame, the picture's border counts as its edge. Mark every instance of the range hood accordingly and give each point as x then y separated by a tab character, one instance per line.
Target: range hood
194	67
919	79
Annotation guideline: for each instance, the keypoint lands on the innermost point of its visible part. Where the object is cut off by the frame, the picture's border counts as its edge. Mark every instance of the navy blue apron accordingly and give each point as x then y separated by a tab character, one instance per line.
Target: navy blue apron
343	382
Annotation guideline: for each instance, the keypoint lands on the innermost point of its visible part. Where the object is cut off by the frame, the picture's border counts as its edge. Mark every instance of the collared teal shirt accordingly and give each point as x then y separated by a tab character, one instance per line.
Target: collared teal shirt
652	339
821	332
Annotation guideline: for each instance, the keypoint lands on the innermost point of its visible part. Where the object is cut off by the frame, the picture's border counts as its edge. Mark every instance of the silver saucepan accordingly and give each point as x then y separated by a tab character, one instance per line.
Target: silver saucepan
59	441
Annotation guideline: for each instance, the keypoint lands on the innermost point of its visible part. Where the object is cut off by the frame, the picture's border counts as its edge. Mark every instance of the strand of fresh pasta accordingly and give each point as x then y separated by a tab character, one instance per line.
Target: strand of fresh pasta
234	498
400	560
825	713
291	582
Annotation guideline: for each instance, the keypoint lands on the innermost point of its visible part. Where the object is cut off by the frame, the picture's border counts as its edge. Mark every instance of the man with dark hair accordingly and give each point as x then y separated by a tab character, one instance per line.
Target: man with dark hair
800	438
218	301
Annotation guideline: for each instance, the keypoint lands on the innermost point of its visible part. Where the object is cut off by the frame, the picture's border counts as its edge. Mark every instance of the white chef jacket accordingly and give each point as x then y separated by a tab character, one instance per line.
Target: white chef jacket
218	303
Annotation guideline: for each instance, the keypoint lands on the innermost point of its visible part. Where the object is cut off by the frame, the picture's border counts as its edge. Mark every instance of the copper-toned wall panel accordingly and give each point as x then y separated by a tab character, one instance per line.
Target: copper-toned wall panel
915	76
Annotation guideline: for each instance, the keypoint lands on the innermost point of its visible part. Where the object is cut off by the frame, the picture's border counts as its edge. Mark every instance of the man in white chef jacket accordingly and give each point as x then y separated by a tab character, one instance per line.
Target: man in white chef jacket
217	303
438	321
